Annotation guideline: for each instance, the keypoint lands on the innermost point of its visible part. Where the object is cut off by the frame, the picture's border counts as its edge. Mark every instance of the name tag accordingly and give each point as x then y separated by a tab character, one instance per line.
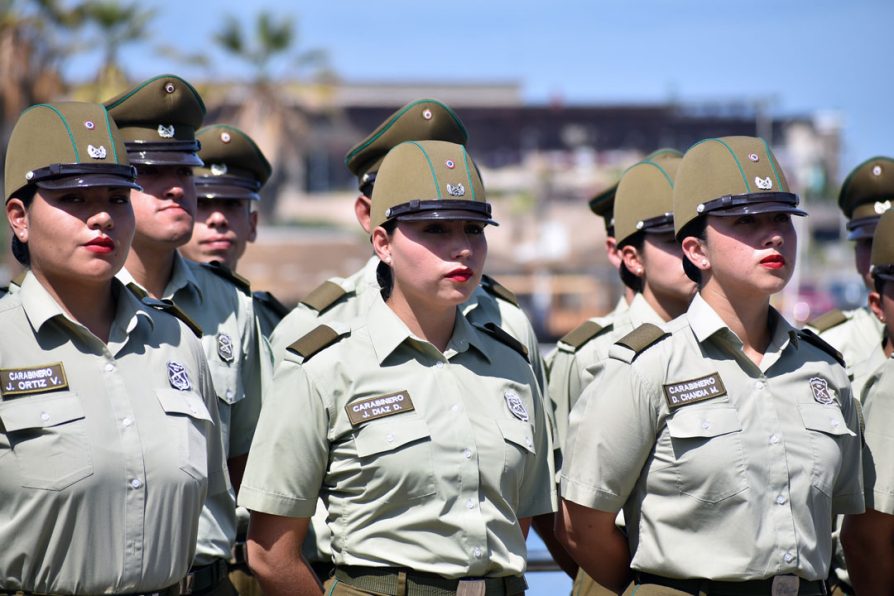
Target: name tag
364	410
34	379
693	391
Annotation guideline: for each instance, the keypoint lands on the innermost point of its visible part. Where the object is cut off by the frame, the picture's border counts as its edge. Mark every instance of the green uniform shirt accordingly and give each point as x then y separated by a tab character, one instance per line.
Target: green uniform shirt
878	454
573	368
103	469
437	485
234	356
859	339
725	469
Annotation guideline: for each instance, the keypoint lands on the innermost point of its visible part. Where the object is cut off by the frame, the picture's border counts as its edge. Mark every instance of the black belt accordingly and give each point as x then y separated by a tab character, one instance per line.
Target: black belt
203	578
169	591
709	587
417	583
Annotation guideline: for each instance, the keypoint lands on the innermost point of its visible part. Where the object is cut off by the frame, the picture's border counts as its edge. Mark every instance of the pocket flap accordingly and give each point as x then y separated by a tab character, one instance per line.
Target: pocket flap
386	435
40	411
187	403
688	423
825	419
518	432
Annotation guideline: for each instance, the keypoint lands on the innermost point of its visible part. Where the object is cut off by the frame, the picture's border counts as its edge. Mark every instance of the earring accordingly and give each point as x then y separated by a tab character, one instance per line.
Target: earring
705	262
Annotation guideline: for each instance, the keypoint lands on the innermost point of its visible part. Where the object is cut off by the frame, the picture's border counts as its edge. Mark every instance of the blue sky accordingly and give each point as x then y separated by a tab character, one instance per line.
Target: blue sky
801	56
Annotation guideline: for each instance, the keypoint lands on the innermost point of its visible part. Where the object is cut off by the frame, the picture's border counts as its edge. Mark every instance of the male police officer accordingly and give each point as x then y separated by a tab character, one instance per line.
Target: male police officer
158	119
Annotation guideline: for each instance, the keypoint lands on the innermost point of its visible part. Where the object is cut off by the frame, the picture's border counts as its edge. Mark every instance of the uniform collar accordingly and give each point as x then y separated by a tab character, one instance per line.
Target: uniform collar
640	311
621	306
705	322
388	332
181	277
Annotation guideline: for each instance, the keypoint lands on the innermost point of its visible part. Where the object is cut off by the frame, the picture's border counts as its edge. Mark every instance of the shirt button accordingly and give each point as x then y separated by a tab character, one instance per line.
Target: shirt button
780	500
229	394
44	416
467	453
789	557
454	408
477	552
833	422
389	437
759	385
439	364
529	442
136	483
110	367
706	424
470	504
126	422
774	439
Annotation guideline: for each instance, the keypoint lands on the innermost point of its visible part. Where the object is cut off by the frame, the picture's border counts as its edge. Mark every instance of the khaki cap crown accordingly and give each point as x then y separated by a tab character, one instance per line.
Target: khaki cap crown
235	167
730	176
158	120
424	180
644	201
66	145
420	120
882	258
866	193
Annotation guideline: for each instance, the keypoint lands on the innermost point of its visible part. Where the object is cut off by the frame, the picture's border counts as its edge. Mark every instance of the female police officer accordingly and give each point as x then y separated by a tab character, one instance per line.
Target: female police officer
729	438
425	436
108	441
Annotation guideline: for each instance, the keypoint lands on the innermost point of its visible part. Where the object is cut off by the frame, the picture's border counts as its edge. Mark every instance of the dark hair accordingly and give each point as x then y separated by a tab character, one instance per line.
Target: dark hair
384	276
879	283
697	228
19	248
636	240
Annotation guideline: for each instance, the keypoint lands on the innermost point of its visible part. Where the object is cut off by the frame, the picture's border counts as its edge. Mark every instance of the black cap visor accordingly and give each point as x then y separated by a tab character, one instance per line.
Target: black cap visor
226	187
862	228
661	224
69	176
172	153
753	204
443	210
885	272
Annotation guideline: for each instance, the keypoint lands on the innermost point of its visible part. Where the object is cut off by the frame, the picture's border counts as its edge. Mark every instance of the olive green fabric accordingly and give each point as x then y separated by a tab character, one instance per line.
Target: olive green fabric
420	120
234	165
65	133
869	183
883	245
158	120
424	171
727	166
646	191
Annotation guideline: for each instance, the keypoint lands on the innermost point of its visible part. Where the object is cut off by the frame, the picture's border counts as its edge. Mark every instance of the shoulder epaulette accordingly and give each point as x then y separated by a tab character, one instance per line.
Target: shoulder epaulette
270	300
137	290
172	309
643	337
502	336
826	321
225	272
492	286
584	333
311	343
814	339
324	296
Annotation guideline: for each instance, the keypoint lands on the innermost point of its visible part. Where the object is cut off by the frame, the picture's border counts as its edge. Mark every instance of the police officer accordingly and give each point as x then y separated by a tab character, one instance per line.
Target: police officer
736	440
869	538
108	438
227	188
424	435
158	119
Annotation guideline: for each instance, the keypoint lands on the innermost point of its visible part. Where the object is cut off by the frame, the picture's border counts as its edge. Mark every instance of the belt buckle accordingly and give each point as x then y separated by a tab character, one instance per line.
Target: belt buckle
187	583
470	587
785	585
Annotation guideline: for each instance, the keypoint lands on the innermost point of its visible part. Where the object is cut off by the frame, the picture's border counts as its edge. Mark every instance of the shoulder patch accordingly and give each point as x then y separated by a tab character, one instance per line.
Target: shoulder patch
271	302
492	286
643	337
172	309
225	272
311	343
826	321
502	336
324	296
584	333
814	339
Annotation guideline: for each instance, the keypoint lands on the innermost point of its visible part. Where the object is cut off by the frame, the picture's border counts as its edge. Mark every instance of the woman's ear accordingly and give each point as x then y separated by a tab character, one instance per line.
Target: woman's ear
632	260
17	216
695	250
875	305
381	242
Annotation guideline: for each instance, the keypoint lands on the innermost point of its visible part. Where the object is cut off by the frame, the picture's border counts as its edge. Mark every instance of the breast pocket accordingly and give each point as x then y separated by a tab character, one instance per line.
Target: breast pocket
188	418
826	428
48	438
227	381
707	447
395	458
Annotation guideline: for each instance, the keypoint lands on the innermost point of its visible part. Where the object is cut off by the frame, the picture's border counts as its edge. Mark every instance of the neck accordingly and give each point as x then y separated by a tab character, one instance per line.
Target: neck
151	268
665	306
433	325
629	295
89	303
746	316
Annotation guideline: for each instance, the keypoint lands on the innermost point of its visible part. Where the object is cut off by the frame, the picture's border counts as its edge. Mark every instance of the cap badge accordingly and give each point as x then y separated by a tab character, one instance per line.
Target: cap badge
456	190
218	169
450	164
225	347
96	152
225	137
89	125
876	170
763	183
881	207
165	132
516	405
426	114
753	157
178	376
169	87
821	391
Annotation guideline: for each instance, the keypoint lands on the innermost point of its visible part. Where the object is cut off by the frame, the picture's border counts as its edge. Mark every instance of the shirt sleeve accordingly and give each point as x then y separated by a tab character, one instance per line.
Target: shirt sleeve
563	381
878	454
538	491
290	451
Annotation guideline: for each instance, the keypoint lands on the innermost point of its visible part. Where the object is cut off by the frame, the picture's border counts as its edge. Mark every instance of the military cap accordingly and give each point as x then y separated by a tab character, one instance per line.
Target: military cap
866	194
882	259
730	176
603	204
66	145
235	168
158	120
644	201
428	180
420	120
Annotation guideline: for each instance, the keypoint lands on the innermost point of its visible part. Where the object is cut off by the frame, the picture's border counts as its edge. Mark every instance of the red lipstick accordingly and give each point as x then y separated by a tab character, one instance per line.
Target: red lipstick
773	262
101	245
461	274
